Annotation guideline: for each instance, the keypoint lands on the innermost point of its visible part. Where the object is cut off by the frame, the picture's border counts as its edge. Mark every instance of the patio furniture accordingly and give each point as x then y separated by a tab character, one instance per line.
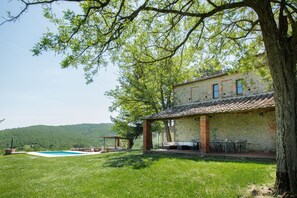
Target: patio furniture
184	145
227	146
196	144
240	146
169	145
217	146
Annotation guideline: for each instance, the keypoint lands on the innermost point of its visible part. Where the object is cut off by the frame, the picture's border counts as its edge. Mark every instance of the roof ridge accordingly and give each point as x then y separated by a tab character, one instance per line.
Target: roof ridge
201	79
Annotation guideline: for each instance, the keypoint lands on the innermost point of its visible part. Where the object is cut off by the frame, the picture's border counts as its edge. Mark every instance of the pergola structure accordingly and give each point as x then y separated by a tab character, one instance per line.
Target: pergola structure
259	102
116	140
204	131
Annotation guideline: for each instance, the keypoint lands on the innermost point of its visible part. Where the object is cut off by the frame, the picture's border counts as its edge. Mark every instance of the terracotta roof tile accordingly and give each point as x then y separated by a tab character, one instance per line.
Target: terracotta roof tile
229	105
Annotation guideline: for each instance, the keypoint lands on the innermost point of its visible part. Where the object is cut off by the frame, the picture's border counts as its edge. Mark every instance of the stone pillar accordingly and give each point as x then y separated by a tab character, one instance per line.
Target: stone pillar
147	136
204	134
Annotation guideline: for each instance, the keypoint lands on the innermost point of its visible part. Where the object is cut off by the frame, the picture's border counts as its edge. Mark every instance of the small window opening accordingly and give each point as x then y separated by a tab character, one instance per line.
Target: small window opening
239	90
215	90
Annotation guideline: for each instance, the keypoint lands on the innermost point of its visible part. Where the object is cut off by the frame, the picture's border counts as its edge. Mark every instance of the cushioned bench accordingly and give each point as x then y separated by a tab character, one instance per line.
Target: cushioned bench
179	145
169	145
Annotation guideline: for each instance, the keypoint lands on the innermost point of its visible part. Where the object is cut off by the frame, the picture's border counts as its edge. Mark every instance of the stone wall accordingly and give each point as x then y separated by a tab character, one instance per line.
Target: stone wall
201	90
258	128
186	129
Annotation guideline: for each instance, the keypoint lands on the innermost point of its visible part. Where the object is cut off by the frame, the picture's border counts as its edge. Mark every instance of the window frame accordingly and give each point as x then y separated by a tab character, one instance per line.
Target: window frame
214	91
239	86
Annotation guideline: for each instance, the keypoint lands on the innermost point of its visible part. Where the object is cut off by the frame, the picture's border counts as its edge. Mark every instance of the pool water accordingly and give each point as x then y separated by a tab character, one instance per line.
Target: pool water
59	153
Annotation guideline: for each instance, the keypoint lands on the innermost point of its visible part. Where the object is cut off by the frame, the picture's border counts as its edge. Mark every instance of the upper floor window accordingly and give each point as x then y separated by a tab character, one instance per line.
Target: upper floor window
215	90
239	87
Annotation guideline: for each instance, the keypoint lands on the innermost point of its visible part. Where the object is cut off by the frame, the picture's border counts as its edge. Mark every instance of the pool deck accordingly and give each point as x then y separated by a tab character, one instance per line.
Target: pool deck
17	152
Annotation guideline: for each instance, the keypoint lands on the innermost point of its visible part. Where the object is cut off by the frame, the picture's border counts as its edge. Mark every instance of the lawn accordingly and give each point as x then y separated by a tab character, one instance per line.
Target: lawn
129	174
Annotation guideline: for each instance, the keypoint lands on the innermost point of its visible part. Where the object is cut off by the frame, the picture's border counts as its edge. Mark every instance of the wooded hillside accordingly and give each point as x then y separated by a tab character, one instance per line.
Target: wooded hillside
55	137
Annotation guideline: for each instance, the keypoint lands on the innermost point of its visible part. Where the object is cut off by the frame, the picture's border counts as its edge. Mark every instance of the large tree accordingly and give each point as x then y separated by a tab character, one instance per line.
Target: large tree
225	30
145	88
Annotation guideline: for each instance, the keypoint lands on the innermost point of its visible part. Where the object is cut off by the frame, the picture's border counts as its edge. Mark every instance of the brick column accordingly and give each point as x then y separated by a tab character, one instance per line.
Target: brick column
147	136
204	134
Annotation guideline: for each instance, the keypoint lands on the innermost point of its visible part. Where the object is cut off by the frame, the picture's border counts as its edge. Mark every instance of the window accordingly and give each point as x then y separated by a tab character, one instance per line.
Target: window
239	87
215	90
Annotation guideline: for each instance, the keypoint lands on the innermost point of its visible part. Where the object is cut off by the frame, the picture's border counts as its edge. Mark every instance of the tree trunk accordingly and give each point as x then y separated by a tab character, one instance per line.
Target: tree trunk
282	65
130	143
285	100
167	130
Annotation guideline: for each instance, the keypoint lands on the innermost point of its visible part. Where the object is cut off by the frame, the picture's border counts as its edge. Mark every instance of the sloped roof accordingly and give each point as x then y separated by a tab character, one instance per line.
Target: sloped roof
229	105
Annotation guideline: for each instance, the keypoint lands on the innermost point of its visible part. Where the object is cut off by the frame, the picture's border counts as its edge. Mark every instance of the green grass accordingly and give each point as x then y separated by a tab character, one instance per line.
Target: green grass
129	174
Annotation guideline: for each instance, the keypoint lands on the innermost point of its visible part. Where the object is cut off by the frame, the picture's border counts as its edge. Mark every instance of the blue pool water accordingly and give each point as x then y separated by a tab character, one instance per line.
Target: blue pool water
58	153
61	153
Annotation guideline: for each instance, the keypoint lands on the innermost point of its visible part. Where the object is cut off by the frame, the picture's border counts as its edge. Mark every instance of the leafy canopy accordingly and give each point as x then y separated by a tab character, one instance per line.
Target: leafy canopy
144	88
218	33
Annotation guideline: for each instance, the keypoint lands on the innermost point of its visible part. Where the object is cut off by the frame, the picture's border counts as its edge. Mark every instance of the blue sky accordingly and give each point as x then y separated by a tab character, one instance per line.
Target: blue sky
35	90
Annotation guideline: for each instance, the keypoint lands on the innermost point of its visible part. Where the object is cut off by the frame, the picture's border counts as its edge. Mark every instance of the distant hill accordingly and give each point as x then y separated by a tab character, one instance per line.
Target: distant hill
55	137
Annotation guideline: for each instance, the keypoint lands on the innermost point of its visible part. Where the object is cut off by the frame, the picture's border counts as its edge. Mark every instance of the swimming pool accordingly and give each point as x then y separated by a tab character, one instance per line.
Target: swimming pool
60	153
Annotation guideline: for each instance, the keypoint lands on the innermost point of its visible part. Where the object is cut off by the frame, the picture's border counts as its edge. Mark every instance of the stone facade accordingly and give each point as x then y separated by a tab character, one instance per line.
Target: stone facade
258	128
187	129
202	90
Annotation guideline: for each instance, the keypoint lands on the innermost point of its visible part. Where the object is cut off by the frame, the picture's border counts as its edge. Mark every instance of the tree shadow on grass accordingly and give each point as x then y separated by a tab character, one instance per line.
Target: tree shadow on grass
198	158
133	160
137	160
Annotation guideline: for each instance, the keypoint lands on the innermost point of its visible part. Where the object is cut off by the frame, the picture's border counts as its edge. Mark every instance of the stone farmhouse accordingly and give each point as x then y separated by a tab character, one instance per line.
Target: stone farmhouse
221	109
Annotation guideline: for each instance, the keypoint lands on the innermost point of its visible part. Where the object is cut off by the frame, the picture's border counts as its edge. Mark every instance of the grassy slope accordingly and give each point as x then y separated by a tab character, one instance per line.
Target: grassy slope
55	137
129	174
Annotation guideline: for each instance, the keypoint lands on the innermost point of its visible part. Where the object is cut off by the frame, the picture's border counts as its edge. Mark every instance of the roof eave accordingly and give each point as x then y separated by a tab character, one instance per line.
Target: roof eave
208	114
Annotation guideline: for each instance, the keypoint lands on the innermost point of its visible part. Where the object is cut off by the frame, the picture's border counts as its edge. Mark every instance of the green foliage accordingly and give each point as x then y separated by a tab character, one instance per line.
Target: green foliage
106	30
55	137
215	34
129	174
144	89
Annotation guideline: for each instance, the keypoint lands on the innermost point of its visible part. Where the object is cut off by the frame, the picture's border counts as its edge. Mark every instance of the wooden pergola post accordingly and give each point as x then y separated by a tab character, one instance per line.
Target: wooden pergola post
147	136
117	140
204	134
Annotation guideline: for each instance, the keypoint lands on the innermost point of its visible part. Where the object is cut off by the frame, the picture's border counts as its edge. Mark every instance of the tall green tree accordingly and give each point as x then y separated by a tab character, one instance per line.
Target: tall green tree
145	88
224	30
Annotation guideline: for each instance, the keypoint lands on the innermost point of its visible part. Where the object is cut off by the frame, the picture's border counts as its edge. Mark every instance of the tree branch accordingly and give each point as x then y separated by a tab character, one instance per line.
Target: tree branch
287	4
199	15
28	4
212	3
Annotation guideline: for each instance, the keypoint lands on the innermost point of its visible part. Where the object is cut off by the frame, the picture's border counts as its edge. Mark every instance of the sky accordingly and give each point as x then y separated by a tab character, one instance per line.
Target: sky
34	90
